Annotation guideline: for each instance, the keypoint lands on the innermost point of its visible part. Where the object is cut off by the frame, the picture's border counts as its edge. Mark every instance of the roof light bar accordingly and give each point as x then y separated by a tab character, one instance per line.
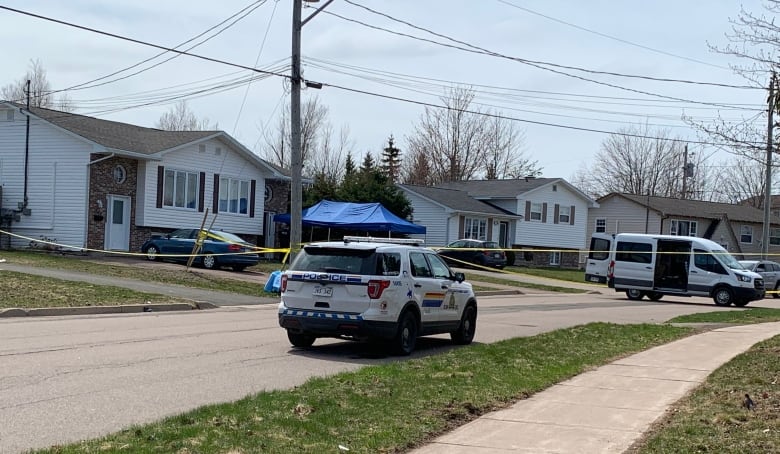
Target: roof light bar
370	239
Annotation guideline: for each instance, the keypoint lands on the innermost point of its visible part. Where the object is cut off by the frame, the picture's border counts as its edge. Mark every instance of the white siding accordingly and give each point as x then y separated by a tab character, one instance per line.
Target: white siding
432	216
548	234
227	164
624	216
57	184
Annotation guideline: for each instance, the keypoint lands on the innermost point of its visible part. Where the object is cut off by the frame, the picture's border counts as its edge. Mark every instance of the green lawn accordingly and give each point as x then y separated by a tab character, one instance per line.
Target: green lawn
552	273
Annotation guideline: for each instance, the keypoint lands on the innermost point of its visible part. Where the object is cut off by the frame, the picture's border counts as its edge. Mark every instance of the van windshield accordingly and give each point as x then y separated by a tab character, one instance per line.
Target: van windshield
728	260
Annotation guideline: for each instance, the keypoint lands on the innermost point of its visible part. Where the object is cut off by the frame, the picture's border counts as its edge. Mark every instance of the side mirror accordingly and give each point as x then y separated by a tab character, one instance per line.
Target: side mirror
460	277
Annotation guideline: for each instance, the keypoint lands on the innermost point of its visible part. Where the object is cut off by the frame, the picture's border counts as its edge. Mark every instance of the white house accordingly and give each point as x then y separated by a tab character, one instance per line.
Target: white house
545	218
95	184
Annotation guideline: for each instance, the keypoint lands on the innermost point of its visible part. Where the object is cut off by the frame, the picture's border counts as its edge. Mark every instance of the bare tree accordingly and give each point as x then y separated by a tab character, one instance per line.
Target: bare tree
40	90
329	161
741	180
181	118
640	160
417	170
314	123
464	142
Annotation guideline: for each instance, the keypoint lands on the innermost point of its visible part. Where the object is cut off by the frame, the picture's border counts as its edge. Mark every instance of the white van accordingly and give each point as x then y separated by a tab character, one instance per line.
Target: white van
657	265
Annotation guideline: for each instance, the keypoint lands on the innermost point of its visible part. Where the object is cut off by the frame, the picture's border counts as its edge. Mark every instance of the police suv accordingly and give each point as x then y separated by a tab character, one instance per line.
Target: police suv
389	289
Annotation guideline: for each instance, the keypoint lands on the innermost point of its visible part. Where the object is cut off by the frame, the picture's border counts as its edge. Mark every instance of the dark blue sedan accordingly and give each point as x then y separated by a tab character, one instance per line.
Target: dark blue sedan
218	249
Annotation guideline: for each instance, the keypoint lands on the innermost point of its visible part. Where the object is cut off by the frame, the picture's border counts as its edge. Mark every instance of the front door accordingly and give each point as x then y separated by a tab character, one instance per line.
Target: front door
118	225
503	234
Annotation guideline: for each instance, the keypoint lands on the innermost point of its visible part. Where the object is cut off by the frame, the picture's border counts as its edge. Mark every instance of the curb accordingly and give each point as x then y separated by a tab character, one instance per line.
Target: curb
98	310
498	292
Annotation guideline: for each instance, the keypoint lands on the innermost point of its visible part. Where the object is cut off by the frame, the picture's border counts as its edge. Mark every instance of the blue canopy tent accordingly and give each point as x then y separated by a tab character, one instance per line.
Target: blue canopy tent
370	217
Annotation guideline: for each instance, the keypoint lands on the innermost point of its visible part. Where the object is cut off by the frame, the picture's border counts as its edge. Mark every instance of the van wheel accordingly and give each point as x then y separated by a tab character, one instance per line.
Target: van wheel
635	295
406	337
741	303
655	296
723	296
468	326
300	340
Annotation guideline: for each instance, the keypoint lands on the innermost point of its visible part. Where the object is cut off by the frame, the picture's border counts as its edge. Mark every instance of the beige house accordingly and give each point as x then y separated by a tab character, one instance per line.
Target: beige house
738	228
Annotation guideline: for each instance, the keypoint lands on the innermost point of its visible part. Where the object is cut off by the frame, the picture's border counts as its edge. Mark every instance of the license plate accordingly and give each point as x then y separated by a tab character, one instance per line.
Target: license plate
594	279
323	291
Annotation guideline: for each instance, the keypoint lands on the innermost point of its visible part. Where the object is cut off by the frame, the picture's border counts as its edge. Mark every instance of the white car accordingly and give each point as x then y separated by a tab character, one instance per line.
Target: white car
393	290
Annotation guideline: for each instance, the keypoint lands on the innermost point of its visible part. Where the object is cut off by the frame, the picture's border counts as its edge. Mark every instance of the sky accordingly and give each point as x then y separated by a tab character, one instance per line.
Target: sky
375	80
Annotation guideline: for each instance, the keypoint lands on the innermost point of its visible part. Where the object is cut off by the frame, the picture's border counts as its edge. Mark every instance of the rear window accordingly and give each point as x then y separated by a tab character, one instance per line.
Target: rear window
348	261
490	245
599	249
627	251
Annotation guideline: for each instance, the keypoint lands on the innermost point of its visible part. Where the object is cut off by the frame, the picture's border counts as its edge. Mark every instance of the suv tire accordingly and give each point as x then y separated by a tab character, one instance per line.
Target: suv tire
300	340
468	326
406	337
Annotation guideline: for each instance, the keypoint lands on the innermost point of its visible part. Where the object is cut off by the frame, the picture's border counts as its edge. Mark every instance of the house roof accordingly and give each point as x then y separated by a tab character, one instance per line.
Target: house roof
497	188
455	200
668	206
139	140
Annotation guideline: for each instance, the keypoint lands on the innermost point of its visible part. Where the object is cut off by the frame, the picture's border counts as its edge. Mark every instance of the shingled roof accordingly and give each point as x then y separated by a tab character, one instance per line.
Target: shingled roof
119	136
497	188
668	206
456	200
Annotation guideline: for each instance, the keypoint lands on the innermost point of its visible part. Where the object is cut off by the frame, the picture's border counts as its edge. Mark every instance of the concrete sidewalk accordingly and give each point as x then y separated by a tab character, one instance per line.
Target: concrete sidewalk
608	409
474	274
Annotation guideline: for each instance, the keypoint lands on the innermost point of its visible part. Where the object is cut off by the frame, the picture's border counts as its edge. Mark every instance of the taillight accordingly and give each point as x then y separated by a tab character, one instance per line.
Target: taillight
283	286
234	248
611	269
376	287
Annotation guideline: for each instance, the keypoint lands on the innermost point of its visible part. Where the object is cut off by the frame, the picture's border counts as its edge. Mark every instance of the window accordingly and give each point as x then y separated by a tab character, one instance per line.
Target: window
475	228
555	258
627	251
564	214
705	261
601	225
683	228
536	211
180	189
388	264
746	234
774	236
440	270
419	265
599	249
233	196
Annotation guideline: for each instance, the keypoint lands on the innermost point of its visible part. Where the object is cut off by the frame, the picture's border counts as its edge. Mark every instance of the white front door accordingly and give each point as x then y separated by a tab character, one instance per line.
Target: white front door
118	225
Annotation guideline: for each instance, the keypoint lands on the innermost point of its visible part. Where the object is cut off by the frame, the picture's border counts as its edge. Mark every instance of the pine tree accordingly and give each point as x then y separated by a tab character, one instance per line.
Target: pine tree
391	160
349	166
368	163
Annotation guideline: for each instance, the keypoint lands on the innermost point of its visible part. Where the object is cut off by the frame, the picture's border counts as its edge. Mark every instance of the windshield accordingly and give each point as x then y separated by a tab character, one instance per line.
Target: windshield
728	260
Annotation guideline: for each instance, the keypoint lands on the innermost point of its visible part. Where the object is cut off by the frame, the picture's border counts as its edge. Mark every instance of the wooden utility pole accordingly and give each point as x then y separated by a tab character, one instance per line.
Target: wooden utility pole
685	173
768	178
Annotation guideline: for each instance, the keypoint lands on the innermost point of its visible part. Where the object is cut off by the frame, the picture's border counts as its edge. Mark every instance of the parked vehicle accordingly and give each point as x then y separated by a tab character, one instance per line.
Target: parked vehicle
656	265
392	290
769	270
218	249
482	253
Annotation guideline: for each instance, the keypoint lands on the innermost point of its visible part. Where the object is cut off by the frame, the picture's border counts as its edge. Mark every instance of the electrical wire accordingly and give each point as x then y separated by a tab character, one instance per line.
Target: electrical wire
604	35
526	61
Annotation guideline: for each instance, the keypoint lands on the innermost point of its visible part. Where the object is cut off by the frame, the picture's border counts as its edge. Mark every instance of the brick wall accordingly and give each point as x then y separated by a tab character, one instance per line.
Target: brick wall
541	257
101	184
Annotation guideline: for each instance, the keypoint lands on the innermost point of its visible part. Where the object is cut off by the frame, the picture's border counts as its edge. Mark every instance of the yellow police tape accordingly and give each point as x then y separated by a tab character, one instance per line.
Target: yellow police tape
204	234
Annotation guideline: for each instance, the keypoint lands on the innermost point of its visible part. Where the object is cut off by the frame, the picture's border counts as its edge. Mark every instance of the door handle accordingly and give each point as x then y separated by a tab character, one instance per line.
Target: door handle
417	285
648	267
444	287
694	272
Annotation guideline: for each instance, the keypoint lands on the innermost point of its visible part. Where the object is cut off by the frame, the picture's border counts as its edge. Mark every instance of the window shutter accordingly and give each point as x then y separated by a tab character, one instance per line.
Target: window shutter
202	192
556	213
571	216
160	182
252	189
544	212
527	210
461	226
216	194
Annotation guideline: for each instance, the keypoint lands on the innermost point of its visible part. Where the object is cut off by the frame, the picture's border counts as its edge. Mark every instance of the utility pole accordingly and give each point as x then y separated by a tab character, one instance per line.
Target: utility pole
685	172
296	158
768	178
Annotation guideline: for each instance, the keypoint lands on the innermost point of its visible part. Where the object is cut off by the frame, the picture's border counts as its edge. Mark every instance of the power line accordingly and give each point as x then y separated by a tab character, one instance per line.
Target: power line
604	35
522	120
138	41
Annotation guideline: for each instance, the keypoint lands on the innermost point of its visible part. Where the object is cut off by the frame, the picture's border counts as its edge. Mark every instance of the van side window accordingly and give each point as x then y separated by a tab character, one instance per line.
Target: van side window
599	249
705	261
627	251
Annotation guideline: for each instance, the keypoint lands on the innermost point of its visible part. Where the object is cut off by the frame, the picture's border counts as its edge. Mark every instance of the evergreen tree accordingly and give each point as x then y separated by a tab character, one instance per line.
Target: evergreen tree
349	166
368	163
391	160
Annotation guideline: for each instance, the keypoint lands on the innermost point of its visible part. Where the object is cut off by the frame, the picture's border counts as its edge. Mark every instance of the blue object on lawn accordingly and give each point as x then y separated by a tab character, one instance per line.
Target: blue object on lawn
274	283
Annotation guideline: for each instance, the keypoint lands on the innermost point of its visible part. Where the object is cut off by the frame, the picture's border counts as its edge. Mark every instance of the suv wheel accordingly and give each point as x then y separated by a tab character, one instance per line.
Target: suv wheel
300	340
468	326
406	337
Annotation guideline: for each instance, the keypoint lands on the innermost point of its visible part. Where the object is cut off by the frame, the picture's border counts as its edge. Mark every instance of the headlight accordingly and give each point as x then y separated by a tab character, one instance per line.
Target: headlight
744	278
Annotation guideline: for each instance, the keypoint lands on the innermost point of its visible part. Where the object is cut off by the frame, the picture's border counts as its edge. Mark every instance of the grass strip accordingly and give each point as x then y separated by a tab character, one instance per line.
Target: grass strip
713	418
551	273
193	278
750	315
482	279
26	291
392	407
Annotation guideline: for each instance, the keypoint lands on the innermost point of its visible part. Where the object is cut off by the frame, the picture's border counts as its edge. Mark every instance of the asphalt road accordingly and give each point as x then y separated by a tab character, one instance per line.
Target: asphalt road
64	379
